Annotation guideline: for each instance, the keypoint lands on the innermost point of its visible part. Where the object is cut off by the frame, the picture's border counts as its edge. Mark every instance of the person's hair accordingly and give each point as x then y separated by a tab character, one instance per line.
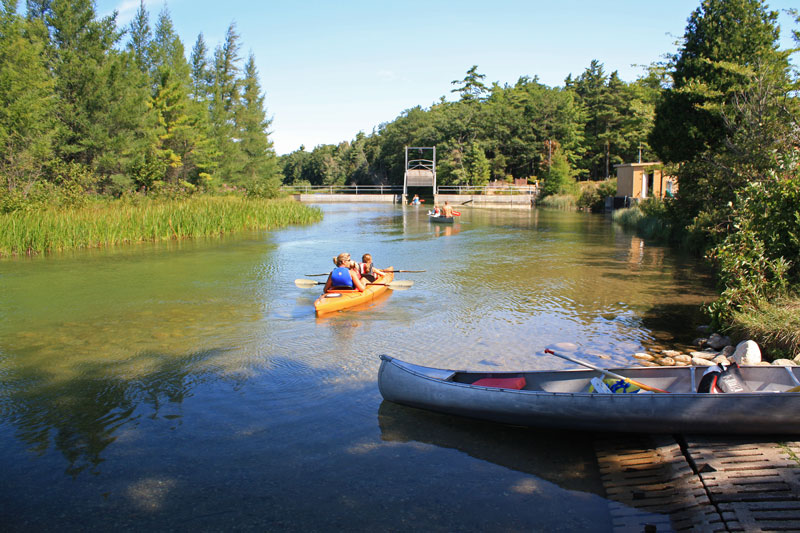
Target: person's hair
341	259
366	258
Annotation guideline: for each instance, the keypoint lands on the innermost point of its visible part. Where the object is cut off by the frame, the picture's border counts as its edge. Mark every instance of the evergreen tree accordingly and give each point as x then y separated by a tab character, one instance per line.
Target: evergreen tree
183	145
225	94
140	38
261	165
201	76
721	38
26	101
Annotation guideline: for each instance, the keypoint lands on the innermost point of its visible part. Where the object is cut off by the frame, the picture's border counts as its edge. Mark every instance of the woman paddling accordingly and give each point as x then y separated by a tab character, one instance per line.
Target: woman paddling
344	276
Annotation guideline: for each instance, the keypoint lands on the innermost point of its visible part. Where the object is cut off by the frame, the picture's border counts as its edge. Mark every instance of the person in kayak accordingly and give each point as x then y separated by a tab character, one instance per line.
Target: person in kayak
436	211
447	210
345	275
367	270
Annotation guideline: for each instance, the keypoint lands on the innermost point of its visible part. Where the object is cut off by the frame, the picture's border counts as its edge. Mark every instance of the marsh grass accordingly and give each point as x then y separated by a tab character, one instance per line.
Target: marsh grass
775	326
111	223
565	202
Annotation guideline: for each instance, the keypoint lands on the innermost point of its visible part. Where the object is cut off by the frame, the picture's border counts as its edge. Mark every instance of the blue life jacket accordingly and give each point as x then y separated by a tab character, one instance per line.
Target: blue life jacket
340	277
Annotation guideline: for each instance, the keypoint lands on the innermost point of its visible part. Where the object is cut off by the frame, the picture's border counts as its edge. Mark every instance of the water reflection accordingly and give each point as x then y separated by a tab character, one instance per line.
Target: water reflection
561	457
81	415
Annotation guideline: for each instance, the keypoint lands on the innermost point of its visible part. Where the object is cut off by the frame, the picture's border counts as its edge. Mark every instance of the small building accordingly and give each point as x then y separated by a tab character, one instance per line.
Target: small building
644	180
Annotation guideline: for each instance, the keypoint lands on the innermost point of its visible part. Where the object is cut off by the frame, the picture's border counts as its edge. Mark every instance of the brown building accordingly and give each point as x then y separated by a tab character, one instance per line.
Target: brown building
644	180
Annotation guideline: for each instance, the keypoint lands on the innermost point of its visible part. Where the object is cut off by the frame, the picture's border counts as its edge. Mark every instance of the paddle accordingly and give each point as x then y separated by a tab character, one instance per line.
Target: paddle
412	271
398	285
456	213
606	372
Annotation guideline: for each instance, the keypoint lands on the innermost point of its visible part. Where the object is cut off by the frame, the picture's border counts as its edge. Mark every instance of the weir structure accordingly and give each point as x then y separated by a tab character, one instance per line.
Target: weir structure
420	172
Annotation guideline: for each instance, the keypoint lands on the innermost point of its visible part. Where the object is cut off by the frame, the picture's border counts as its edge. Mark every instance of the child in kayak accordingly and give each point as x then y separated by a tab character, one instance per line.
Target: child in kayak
345	275
367	270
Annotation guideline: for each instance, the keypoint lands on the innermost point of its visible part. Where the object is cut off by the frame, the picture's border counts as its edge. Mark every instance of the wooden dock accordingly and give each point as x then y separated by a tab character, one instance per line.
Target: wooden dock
658	483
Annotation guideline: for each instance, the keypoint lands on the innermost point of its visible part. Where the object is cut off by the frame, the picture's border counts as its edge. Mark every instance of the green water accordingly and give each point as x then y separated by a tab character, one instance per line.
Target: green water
190	386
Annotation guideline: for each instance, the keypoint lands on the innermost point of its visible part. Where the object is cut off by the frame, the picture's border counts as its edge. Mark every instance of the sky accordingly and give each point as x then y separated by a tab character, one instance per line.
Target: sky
330	69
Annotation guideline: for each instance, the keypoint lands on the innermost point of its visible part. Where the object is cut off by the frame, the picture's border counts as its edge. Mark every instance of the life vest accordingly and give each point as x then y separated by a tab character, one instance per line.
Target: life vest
340	277
365	269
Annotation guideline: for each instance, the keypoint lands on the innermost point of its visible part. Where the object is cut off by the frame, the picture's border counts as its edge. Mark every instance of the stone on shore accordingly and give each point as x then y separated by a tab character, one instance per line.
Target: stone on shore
644	356
717	341
704	355
747	353
783	362
698	361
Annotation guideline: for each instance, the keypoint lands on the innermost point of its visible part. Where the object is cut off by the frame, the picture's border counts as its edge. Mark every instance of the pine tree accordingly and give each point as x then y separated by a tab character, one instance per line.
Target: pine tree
225	93
261	164
26	101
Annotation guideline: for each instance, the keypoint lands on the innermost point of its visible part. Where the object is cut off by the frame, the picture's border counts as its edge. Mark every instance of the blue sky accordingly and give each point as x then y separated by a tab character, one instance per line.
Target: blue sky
333	68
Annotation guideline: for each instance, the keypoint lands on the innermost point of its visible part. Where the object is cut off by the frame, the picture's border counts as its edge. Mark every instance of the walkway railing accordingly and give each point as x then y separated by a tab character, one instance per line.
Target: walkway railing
343	189
487	189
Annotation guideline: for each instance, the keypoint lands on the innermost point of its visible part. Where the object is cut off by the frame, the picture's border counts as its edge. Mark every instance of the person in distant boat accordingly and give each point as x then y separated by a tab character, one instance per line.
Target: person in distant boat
367	270
345	275
415	200
447	210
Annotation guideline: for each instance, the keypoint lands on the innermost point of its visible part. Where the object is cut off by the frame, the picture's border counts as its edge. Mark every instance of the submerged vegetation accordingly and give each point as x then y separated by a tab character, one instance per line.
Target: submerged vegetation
108	223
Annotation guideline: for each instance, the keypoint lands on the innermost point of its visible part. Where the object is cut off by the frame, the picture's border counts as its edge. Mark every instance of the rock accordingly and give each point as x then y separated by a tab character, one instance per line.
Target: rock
728	350
783	362
698	361
671	353
682	358
644	356
704	355
666	361
721	360
566	346
683	363
717	341
763	363
700	342
747	353
642	362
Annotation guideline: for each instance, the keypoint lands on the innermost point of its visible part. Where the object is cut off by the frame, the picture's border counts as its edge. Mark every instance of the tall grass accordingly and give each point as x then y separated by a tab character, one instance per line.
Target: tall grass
648	219
565	202
774	325
120	221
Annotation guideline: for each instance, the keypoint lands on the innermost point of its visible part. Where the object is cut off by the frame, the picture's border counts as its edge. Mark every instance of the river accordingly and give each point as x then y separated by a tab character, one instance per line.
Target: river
189	386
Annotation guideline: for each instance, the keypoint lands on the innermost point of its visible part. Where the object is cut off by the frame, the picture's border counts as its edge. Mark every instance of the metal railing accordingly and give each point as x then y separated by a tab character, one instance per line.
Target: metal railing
343	189
488	189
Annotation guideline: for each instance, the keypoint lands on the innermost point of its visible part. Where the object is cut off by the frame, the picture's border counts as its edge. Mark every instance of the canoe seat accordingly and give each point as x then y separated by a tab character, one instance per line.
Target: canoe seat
502	383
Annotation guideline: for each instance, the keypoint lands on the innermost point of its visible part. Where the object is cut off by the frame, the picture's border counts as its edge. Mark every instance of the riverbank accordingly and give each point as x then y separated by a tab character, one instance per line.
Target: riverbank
112	222
774	325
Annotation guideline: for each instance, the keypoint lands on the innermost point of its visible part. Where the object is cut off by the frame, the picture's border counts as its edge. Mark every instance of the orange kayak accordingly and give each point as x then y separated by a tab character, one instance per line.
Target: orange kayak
337	300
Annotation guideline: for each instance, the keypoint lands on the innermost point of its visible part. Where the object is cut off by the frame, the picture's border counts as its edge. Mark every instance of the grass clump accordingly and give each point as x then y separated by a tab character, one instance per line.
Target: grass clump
565	202
775	326
133	220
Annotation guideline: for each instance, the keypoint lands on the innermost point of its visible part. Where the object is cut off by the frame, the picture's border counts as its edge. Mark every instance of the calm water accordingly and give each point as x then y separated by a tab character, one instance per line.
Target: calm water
189	385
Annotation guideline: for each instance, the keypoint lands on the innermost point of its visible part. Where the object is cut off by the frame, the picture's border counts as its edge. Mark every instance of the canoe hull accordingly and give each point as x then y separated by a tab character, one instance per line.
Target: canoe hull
682	412
327	303
441	220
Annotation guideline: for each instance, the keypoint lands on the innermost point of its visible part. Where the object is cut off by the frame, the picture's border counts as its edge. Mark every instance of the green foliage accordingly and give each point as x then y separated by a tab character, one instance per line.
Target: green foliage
594	193
758	260
558	178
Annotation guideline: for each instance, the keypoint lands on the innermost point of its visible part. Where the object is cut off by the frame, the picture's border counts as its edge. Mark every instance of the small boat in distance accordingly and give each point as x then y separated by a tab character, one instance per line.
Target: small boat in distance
562	399
440	218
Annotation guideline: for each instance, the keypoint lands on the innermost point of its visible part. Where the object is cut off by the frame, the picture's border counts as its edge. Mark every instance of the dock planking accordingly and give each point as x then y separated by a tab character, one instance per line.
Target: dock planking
658	483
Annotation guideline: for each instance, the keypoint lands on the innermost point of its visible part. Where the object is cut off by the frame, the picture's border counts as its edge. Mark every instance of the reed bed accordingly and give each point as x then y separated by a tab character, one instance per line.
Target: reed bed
119	222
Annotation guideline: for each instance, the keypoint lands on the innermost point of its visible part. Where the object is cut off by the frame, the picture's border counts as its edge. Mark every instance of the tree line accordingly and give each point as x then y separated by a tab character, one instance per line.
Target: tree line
86	107
525	130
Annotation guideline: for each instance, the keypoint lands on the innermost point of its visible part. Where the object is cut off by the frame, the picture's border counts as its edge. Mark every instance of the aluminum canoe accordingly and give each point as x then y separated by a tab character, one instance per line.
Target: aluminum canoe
338	299
560	399
441	219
